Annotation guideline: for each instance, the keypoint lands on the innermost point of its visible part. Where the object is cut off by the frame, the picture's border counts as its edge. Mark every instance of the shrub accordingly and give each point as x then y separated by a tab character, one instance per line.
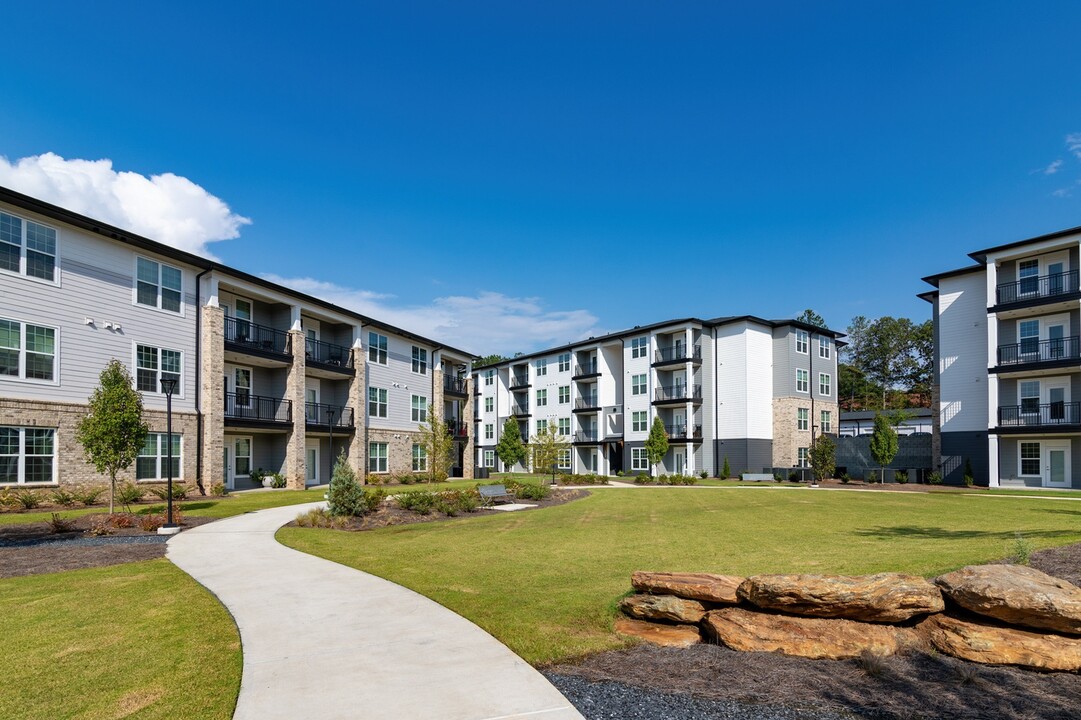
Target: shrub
151	522
872	477
619	473
845	478
63	497
320	518
969	477
966	673
100	526
277	481
7	499
217	489
726	470
934	478
452	502
529	491
872	664
89	495
405	479
418	501
901	476
180	491
588	479
58	524
778	477
643	479
793	476
28	499
1021	551
703	474
345	497
127	493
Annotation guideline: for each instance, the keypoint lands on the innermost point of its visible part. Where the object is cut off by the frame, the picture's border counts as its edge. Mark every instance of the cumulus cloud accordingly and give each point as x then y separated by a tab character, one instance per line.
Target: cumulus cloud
168	208
483	323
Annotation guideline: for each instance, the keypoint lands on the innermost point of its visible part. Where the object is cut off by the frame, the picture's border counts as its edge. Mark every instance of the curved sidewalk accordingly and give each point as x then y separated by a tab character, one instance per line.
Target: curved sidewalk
322	640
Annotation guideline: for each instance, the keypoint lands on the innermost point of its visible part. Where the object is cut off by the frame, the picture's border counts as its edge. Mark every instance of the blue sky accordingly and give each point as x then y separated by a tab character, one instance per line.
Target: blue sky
505	176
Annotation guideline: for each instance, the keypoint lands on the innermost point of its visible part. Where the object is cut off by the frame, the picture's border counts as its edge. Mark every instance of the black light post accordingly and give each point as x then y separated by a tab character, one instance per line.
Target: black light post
330	422
168	386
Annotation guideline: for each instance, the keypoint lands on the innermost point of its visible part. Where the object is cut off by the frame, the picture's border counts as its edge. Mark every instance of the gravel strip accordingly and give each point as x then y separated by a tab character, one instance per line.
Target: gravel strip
81	541
615	701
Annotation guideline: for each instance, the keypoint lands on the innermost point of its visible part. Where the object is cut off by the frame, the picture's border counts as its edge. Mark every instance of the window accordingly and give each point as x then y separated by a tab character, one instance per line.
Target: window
823	347
801	342
489	458
489	431
377	457
489	377
157	285
27	455
803	419
489	404
640	420
242	457
377	348
420	458
1030	458
27	248
1029	333
419	408
27	352
564	394
1030	397
824	384
152	364
802	381
542	367
377	402
564	362
420	360
564	460
639	347
542	398
564	426
1028	271
153	460
802	458
639	459
242	386
827	421
542	427
638	384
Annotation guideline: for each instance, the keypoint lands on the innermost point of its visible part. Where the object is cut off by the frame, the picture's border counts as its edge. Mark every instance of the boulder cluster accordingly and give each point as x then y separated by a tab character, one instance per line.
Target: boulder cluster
993	614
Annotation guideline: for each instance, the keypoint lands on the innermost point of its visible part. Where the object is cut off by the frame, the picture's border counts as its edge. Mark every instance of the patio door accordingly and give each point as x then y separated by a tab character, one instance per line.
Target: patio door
1056	464
311	463
227	467
681	461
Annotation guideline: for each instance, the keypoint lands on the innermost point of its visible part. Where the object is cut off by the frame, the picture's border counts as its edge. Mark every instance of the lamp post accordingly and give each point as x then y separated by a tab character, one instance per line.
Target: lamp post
330	422
168	386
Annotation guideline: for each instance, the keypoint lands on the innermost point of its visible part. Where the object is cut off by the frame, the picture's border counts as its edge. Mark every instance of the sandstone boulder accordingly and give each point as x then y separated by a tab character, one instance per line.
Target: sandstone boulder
885	597
1017	595
813	638
663	607
1000	645
704	587
666	635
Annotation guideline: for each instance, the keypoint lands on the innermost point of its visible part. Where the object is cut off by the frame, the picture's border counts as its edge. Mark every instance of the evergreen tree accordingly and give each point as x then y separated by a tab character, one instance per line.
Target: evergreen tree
345	495
726	471
883	443
657	443
823	457
510	448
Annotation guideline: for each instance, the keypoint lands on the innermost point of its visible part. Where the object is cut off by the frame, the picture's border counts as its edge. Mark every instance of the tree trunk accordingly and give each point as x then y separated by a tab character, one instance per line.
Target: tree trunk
112	491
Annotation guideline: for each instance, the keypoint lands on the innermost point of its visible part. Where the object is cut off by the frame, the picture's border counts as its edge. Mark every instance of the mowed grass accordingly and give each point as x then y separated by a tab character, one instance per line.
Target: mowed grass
137	640
546	582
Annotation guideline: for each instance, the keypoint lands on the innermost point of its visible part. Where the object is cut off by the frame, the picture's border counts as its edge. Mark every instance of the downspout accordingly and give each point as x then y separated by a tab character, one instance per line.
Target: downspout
199	384
716	403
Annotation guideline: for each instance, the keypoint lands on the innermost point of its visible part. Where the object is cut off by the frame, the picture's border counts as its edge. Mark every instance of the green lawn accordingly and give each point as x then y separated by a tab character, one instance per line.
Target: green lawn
546	582
138	640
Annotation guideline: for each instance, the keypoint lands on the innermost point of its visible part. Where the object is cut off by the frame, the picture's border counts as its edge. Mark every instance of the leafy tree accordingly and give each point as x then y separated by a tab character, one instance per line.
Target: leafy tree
810	317
345	496
823	457
510	448
438	445
854	390
893	354
883	442
726	471
493	359
546	447
113	433
656	444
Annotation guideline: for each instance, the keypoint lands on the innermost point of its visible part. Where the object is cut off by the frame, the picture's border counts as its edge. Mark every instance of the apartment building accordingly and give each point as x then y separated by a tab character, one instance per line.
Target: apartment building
1008	364
268	378
742	388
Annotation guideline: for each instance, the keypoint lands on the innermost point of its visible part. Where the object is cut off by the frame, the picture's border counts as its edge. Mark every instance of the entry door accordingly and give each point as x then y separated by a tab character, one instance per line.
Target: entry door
311	409
681	461
593	461
311	463
1056	281
679	419
227	467
1056	464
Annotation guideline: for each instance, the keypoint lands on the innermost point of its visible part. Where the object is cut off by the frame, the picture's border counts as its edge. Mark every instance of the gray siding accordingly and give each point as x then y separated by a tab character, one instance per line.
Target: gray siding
744	454
956	447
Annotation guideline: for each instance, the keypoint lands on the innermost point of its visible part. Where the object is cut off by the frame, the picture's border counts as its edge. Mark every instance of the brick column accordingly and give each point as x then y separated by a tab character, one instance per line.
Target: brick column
212	394
295	469
467	418
358	446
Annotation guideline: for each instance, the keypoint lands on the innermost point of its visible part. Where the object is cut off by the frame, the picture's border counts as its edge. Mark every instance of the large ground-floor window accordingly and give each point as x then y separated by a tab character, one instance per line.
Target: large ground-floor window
153	460
1030	458
377	457
639	459
27	455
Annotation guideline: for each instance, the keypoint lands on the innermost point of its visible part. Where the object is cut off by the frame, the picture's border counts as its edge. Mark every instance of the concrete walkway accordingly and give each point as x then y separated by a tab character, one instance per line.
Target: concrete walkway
325	641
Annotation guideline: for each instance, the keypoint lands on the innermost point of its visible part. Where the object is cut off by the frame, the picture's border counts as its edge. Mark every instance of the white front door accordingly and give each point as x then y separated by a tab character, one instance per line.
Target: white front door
227	467
311	463
1056	464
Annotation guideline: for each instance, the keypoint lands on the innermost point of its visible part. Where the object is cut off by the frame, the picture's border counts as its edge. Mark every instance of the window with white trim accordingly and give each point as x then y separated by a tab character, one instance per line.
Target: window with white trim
242	386
377	457
242	457
639	459
489	404
640	420
152	364
1030	458
27	455
564	362
1030	397
803	381
542	367
27	248
563	462
824	383
27	352
639	347
377	348
801	341
489	458
803	421
377	402
157	285
420	458
153	460
489	377
489	431
803	457
827	421
823	347
420	360
564	394
564	426
638	384
542	427
542	398
418	408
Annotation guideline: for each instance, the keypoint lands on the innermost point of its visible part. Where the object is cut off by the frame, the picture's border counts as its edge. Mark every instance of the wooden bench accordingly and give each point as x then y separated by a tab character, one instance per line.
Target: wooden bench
756	477
492	493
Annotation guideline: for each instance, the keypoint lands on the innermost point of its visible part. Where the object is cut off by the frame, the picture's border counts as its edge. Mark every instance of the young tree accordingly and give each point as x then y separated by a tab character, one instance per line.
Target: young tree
113	433
883	443
823	457
345	495
546	448
657	443
726	471
510	448
438	445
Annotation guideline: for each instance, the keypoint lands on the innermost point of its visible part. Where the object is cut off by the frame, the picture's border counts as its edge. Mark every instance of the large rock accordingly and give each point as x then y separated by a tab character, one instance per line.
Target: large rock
663	607
1017	595
666	635
813	638
886	597
1000	645
693	586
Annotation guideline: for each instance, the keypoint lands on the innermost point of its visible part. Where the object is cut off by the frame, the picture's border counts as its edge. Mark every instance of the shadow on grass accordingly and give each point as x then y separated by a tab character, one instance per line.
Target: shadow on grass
1061	512
939	533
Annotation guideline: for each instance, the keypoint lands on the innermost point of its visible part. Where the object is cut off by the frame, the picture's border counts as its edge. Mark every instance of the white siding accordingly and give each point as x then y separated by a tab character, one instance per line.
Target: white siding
744	381
962	363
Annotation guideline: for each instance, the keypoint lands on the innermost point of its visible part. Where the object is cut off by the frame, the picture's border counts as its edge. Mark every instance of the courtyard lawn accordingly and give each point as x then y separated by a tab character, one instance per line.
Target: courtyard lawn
546	582
137	640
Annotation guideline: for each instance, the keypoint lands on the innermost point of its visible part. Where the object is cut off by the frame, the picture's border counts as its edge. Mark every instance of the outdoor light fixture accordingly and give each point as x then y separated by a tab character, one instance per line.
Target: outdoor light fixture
168	386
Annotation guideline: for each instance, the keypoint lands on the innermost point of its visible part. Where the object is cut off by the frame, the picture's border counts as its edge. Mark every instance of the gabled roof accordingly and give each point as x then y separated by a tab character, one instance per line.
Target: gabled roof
933	279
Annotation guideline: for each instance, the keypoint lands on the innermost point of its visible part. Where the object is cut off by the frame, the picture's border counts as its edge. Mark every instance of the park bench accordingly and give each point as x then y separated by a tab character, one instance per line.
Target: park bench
756	477
491	493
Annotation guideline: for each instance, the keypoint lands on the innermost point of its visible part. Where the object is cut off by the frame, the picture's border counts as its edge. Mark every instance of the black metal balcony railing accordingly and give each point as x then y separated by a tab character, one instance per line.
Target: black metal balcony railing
1033	351
586	368
675	354
456	385
519	410
518	382
589	402
246	406
457	428
586	436
1036	287
327	353
255	336
1033	415
678	392
681	431
331	415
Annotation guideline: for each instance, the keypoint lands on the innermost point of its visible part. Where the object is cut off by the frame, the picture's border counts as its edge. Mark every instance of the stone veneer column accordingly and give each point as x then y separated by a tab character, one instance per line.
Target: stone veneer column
358	446
212	394
294	391
467	418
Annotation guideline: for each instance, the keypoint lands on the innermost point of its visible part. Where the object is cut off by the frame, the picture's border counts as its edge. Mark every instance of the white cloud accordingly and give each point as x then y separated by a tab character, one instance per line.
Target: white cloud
1052	168
167	208
1073	144
1061	192
483	323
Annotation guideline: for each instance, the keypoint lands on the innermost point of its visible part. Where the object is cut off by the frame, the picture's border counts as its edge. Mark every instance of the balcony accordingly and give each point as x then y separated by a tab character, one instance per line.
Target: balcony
455	386
1037	290
319	416
242	408
1055	416
589	403
679	433
333	359
1051	353
520	411
678	354
519	382
457	429
586	437
677	394
248	338
586	370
